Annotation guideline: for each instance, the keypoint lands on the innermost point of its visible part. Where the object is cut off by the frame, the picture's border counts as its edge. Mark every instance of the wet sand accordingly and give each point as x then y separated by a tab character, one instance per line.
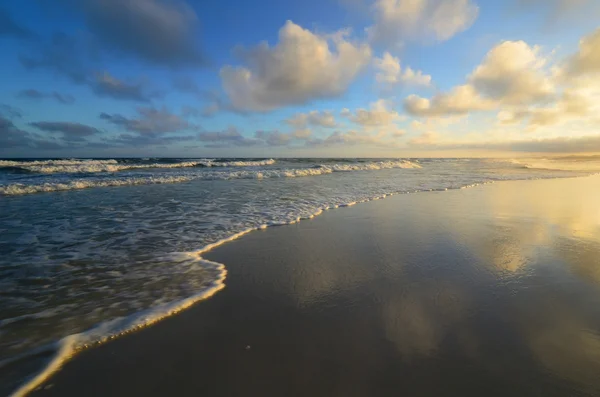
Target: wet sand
488	291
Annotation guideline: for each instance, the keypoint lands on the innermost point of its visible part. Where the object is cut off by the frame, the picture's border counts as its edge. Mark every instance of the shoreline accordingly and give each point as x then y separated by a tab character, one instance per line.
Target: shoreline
72	356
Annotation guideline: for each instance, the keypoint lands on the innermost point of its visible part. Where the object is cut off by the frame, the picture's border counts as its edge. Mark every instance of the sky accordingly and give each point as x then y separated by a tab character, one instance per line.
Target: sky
299	78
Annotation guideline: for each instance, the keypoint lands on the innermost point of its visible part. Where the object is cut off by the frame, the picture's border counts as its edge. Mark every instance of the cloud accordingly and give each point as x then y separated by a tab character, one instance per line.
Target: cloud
571	106
390	73
425	139
314	118
583	144
302	67
105	85
140	140
215	101
397	133
512	73
8	27
37	95
70	131
72	57
559	13
62	54
302	134
10	112
151	121
399	20
229	137
11	135
555	5
163	32
461	100
379	114
586	61
348	138
577	81
187	85
274	138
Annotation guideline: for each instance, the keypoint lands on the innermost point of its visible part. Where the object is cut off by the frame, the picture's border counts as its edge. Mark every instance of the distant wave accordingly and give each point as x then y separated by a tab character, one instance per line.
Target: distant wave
92	166
238	163
20	188
375	165
559	164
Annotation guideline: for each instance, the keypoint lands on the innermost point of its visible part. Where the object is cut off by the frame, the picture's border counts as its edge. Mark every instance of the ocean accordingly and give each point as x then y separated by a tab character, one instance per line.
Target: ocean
94	248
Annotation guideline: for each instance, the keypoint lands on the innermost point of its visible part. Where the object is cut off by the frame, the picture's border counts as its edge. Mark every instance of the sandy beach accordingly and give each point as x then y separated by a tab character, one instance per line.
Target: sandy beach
487	291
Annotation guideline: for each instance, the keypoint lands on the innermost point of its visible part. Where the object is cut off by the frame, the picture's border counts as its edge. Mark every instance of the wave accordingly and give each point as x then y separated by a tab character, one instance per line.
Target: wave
20	188
375	165
93	166
557	164
68	346
238	163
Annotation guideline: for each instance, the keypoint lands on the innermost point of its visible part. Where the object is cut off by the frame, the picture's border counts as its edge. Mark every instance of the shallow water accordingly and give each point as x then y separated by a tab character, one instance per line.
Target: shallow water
87	241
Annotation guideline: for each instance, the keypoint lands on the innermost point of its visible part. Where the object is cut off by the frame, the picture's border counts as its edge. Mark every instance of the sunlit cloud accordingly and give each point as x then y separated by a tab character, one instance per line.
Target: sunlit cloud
390	73
399	20
301	67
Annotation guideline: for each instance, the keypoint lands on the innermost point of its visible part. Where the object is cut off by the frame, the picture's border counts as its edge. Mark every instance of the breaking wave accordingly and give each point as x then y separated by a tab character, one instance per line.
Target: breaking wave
580	164
20	188
92	166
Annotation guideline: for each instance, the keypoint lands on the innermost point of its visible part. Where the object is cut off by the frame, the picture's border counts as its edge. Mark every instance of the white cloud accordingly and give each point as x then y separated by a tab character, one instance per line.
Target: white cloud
579	101
427	138
397	133
379	114
513	73
390	72
399	20
349	138
581	144
303	66
314	118
571	106
460	100
559	13
587	60
302	134
273	138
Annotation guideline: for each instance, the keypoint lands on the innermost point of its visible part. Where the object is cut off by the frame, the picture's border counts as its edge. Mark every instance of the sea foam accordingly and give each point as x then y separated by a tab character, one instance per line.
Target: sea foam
21	188
95	166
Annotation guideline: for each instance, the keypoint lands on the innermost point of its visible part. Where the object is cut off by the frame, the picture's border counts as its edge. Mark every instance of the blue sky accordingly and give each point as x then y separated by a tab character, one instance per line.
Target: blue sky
372	78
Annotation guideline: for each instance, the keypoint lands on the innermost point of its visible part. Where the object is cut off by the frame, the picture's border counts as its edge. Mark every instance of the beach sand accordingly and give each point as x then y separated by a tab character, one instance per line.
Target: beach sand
488	291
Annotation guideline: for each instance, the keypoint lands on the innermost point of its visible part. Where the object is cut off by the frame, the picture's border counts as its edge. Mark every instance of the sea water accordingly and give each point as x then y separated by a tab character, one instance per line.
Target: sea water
94	248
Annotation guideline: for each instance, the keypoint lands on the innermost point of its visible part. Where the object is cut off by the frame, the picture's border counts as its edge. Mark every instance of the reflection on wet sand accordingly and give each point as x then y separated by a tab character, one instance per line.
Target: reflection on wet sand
520	257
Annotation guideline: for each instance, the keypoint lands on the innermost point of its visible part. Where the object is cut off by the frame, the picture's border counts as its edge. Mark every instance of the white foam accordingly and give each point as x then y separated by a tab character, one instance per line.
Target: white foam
376	165
19	188
257	163
67	347
94	166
